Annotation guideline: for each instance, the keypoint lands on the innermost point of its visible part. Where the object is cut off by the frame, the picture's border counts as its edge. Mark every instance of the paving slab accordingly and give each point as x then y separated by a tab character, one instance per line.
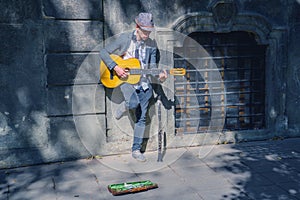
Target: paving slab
268	192
224	194
255	170
293	188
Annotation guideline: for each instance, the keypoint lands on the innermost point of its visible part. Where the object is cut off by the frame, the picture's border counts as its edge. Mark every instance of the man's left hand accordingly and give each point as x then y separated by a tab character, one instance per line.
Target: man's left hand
163	76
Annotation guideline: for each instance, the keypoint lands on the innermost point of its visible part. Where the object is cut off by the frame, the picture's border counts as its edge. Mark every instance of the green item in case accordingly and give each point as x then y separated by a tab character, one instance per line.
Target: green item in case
131	187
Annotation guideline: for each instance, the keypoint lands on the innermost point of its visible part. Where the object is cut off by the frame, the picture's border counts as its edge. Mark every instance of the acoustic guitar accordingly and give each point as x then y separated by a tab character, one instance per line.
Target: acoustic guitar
110	79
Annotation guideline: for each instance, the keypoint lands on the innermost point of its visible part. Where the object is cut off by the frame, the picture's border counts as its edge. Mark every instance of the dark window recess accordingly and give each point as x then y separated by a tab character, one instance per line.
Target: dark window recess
241	64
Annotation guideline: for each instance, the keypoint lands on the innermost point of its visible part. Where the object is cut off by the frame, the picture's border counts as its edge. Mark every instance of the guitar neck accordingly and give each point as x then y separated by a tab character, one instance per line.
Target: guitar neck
147	71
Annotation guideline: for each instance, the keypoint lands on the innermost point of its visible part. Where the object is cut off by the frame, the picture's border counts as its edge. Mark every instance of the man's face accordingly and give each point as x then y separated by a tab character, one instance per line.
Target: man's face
142	34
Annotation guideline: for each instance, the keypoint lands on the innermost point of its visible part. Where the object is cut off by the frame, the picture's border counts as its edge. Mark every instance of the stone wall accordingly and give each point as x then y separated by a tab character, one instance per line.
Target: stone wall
293	70
23	117
52	107
44	43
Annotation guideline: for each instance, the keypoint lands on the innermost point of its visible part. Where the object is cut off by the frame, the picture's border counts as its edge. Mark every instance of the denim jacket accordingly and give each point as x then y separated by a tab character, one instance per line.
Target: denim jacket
120	45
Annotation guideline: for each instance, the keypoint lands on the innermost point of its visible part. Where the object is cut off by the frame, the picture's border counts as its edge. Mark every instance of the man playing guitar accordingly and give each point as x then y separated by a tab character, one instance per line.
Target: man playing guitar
135	45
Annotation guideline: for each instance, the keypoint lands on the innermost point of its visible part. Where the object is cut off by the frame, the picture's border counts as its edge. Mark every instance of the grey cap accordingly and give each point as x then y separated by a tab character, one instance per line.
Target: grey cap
145	21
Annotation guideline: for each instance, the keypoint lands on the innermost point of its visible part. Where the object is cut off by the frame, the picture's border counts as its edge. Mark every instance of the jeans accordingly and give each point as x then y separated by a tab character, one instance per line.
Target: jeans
137	100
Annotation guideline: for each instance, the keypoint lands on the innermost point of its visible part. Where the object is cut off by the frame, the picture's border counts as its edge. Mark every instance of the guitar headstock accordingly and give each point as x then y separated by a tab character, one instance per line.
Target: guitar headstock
178	71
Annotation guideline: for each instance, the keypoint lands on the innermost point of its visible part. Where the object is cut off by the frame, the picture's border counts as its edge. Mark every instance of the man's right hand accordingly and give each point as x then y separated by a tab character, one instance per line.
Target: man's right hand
121	72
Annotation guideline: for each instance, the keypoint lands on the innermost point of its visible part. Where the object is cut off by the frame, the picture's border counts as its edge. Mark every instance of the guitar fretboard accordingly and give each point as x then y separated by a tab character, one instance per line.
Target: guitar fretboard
146	71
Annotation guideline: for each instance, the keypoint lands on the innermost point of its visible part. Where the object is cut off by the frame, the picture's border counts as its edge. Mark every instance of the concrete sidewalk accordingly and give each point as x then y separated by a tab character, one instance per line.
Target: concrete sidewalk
253	170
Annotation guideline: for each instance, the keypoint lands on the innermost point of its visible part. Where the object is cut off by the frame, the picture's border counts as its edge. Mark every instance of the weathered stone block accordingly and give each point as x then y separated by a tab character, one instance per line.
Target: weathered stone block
21	157
273	10
293	82
66	36
86	99
64	142
23	122
63	69
165	13
91	130
15	11
70	9
30	131
76	136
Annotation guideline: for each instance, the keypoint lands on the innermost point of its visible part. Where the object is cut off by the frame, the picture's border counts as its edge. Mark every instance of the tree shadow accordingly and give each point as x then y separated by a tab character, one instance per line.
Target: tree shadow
259	170
59	180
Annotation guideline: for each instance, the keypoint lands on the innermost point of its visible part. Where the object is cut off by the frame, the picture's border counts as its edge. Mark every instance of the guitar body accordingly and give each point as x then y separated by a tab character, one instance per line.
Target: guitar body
111	80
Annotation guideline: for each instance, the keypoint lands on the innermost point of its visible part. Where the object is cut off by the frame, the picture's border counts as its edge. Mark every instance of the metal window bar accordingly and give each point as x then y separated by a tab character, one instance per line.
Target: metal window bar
238	64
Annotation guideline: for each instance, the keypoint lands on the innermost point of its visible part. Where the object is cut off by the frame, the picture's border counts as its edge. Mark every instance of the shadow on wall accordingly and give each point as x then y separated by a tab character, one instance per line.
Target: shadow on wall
71	37
28	134
23	122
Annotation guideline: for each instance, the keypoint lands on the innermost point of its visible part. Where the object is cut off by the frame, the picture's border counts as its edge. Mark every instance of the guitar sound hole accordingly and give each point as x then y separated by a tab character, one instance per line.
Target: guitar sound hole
127	70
